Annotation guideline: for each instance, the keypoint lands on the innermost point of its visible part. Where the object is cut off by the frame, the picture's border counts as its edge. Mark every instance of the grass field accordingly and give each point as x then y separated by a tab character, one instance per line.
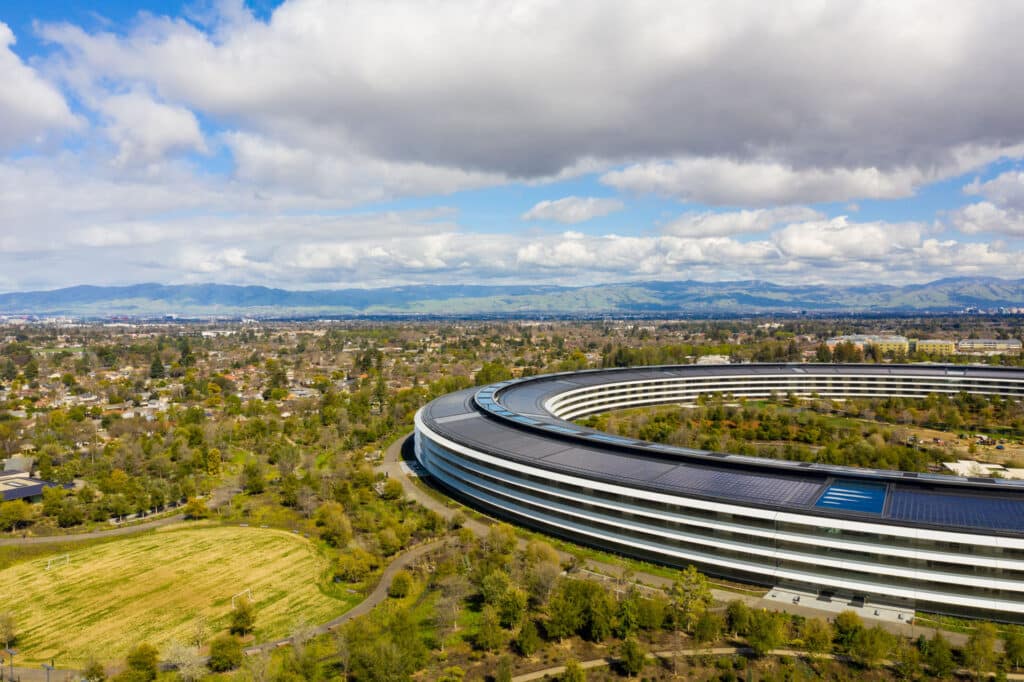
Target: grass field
155	588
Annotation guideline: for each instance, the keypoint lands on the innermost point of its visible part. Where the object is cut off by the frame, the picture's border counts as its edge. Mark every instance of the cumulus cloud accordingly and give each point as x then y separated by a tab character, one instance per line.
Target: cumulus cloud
840	240
814	93
573	210
145	130
710	224
30	107
985	216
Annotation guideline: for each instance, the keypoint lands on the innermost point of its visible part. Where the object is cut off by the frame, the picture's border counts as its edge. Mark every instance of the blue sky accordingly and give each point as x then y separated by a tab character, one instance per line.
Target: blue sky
317	144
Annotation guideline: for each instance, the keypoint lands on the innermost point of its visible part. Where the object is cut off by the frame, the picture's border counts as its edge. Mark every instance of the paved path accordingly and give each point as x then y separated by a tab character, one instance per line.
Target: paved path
402	450
379	594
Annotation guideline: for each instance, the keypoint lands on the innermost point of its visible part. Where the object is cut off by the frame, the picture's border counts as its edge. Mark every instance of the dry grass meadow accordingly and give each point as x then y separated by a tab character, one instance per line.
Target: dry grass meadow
155	588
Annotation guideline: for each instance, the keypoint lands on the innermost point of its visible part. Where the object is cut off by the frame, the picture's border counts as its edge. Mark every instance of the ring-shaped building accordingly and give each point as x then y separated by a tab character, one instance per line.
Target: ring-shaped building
938	543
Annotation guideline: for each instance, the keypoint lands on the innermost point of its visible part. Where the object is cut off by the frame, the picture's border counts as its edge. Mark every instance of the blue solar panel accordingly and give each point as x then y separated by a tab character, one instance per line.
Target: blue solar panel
853	496
957	510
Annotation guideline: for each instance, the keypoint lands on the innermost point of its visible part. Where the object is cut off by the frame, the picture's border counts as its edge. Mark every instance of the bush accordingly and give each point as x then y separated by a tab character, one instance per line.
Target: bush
225	654
401	585
142	661
243	618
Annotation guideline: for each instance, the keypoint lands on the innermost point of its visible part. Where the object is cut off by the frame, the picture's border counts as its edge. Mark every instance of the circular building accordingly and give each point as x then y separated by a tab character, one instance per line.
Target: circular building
938	543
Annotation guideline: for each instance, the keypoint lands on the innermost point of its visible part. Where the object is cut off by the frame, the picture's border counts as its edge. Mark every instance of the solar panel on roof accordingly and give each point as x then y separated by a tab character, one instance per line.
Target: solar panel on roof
610	464
945	509
739	485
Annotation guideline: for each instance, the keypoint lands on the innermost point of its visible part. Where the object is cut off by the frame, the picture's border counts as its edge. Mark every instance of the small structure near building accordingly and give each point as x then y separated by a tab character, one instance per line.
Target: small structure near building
18	485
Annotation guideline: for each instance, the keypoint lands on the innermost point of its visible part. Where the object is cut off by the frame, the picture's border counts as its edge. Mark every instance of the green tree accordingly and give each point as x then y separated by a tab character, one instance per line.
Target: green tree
871	645
737	615
906	659
243	617
1013	646
492	372
691	595
528	640
848	624
708	627
939	656
489	636
574	672
253	481
401	585
156	369
767	631
14	514
817	635
335	528
633	656
504	671
142	659
980	650
225	653
195	508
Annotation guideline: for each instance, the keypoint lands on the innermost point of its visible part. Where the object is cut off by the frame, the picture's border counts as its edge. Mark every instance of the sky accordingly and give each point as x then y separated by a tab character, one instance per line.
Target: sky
317	144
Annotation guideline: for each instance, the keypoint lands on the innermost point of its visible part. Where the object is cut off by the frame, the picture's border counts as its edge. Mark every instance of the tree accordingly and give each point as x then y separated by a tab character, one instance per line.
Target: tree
225	653
489	637
156	369
691	595
1013	646
252	477
142	659
708	627
906	659
939	656
870	645
14	514
196	509
738	616
767	631
504	671
848	624
335	528
401	585
633	656
528	640
8	628
817	635
980	650
243	618
574	672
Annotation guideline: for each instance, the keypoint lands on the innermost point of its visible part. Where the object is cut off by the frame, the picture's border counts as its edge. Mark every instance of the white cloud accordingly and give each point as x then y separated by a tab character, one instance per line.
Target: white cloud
722	181
813	93
840	240
985	216
710	224
145	130
572	210
30	107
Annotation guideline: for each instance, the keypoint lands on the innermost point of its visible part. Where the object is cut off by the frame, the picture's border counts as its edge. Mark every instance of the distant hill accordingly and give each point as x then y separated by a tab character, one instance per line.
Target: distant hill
646	298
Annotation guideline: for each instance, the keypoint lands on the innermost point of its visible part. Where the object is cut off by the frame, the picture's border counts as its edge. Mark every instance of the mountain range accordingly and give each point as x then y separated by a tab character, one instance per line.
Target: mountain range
634	298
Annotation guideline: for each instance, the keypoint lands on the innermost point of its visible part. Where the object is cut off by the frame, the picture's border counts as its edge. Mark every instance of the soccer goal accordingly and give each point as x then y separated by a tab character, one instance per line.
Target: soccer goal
247	592
58	561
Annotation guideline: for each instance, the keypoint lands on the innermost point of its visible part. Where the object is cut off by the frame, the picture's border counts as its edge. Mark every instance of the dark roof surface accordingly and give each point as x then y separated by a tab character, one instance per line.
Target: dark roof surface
508	420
